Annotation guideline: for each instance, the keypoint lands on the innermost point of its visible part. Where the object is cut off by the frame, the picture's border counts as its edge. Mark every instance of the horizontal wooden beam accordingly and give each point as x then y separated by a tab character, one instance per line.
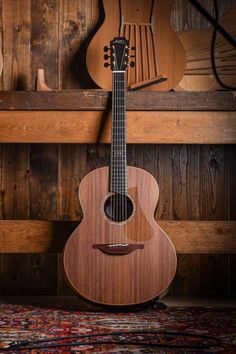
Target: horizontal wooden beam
164	127
98	100
24	236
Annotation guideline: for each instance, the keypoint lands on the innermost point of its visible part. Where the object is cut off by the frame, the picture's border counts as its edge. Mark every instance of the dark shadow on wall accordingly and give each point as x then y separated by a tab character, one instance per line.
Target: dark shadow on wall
79	59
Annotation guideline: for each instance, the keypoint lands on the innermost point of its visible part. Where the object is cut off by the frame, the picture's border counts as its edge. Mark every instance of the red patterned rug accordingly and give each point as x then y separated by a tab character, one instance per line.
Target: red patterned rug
170	330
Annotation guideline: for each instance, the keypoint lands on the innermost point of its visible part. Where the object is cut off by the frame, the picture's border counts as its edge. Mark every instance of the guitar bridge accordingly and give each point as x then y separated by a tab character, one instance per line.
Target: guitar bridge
118	248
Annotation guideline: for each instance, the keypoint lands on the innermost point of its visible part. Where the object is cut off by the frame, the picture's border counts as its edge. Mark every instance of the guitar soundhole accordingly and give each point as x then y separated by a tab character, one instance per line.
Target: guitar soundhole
118	207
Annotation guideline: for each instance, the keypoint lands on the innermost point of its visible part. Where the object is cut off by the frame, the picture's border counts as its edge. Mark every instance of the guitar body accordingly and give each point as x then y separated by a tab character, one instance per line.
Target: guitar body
141	264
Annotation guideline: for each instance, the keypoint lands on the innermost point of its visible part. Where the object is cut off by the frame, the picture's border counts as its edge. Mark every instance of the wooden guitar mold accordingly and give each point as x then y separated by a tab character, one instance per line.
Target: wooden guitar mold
159	52
199	75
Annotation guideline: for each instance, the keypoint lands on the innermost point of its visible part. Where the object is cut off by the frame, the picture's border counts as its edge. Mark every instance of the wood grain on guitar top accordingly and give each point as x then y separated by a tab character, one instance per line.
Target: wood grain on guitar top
125	279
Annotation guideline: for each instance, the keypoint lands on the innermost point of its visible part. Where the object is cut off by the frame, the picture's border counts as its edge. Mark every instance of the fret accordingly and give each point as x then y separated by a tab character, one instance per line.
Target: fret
118	134
119	155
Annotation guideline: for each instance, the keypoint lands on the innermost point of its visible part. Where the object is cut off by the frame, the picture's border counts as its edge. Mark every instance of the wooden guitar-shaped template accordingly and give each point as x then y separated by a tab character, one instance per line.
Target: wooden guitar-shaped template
199	74
119	255
160	56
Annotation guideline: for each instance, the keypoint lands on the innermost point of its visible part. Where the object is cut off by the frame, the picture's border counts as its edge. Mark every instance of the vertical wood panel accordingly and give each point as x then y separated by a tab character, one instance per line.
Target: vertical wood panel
232	191
15	181
14	204
1	46
186	17
232	275
201	275
77	18
180	160
98	155
44	159
72	168
44	199
44	25
15	275
214	182
16	45
164	180
63	288
1	187
28	274
44	182
43	274
232	216
185	182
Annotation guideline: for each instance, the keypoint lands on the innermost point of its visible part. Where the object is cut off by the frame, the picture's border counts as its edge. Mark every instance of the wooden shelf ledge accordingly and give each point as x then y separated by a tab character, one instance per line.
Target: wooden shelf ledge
83	116
27	236
136	101
147	127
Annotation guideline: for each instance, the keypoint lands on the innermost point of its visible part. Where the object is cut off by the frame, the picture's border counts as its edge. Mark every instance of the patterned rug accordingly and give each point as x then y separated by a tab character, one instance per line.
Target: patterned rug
167	330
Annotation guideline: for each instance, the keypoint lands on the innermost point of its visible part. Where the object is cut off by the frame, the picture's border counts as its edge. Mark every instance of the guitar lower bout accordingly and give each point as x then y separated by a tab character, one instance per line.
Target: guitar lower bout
112	259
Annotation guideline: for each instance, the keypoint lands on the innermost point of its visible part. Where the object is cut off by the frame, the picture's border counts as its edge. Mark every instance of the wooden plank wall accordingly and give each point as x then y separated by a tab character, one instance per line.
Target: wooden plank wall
41	181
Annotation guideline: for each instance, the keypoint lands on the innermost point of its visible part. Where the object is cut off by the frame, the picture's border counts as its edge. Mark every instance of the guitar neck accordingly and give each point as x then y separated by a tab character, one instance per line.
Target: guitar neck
118	167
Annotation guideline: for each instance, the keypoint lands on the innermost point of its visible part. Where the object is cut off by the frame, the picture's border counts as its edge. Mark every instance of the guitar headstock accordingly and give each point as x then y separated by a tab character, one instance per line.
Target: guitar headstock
119	54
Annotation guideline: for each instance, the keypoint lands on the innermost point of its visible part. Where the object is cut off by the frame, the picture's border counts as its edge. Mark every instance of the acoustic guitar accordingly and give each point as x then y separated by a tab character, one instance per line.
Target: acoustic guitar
119	255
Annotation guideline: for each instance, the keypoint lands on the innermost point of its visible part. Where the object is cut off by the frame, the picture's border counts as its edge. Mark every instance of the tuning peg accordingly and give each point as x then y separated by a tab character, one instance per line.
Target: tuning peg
106	65
132	56
106	56
133	48
132	64
106	48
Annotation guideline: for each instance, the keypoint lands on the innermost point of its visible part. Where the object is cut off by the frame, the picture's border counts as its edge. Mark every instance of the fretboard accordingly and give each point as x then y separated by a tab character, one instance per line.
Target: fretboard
118	168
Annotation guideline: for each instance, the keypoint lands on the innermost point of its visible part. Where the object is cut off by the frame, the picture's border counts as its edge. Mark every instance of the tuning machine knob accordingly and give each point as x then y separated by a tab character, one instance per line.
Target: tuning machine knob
132	64
106	48
106	56
106	65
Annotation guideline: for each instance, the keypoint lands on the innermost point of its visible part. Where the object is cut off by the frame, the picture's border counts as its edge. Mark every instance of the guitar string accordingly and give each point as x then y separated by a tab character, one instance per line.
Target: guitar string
119	151
119	172
118	180
116	154
119	156
113	189
125	156
119	165
114	161
125	159
123	194
112	157
123	151
125	200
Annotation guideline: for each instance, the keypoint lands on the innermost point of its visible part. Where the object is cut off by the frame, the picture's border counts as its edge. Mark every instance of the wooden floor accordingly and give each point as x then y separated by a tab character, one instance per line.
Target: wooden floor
74	301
